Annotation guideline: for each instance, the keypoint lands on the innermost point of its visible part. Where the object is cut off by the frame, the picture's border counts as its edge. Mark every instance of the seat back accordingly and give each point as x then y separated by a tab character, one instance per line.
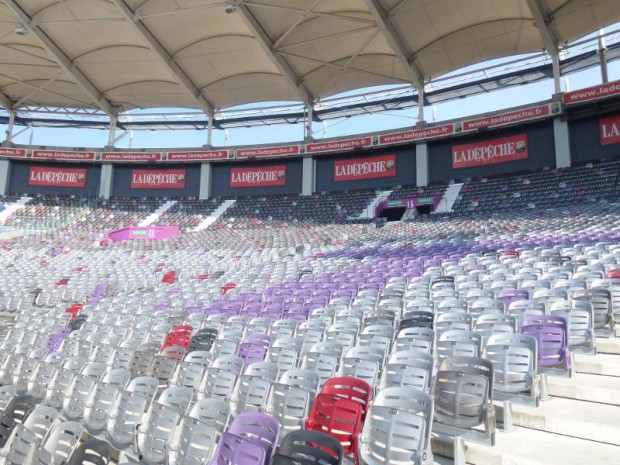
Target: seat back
309	448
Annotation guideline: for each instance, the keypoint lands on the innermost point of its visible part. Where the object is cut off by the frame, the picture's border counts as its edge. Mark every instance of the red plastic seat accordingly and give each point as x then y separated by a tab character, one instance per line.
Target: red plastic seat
74	309
350	388
169	277
614	274
337	416
226	288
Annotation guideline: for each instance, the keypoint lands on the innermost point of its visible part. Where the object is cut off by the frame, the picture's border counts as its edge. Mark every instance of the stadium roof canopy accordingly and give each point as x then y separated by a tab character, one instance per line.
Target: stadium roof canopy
117	55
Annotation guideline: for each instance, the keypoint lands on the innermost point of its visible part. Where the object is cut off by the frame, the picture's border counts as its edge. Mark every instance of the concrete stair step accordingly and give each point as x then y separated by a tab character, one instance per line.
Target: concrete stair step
601	364
532	447
609	345
569	417
592	388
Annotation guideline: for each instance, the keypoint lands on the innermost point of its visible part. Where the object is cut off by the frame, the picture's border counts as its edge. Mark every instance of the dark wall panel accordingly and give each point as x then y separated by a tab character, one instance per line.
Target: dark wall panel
541	153
121	185
220	179
20	172
585	142
405	171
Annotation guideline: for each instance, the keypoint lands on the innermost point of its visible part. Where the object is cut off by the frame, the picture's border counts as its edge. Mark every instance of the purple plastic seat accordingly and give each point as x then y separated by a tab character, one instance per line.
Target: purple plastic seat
248	433
551	333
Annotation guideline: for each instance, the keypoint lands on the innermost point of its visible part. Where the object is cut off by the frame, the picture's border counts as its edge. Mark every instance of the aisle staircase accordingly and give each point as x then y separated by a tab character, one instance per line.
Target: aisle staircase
214	216
579	424
449	198
153	217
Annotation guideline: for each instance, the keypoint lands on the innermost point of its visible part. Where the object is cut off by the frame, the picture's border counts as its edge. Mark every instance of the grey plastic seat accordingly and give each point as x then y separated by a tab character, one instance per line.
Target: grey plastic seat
580	317
61	381
128	409
514	358
397	428
154	434
285	352
408	368
489	324
27	437
162	368
363	362
415	338
459	344
61	442
193	442
213	411
463	395
188	374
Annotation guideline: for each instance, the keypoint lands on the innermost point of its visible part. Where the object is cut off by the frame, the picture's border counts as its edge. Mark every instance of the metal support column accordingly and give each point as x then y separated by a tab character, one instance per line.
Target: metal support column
555	57
210	130
308	125
112	131
9	129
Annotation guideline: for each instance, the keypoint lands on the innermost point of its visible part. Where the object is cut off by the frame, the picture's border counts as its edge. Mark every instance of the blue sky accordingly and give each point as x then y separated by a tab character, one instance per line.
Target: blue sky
497	100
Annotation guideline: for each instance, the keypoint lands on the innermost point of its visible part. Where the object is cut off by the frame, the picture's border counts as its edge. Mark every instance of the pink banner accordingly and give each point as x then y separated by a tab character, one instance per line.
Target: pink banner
383	166
490	152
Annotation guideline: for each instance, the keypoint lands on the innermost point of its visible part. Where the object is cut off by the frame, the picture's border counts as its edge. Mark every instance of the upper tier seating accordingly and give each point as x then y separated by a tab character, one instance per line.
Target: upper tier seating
319	208
543	189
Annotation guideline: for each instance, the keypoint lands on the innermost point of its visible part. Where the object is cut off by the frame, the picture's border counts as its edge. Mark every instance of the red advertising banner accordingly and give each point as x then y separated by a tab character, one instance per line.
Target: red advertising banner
158	179
12	153
338	145
610	130
592	93
517	116
267	152
258	177
198	156
131	156
383	166
416	134
490	152
60	155
59	177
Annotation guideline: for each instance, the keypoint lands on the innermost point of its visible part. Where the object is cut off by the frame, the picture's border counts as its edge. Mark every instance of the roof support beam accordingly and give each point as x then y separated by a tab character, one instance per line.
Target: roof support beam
268	47
63	60
165	59
396	42
542	23
5	102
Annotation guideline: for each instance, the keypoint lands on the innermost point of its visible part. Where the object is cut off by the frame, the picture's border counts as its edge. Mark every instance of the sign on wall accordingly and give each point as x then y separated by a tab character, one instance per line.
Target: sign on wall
609	129
258	177
592	93
490	152
383	166
158	179
12	153
63	155
58	177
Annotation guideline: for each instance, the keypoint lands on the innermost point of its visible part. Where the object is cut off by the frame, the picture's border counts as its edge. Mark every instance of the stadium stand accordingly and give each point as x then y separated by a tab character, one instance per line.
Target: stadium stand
218	347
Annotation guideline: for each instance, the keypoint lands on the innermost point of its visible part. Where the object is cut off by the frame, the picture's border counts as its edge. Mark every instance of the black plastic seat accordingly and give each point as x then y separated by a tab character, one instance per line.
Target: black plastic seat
309	448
